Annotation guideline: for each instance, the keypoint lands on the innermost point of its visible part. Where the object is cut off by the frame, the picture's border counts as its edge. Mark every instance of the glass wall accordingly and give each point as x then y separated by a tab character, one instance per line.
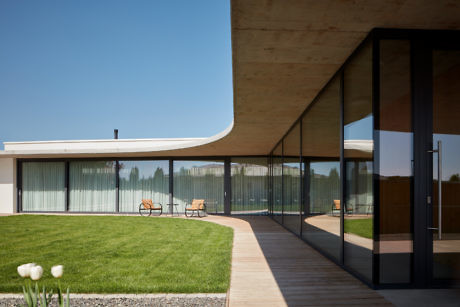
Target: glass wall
394	157
199	180
143	179
358	157
278	183
92	186
291	180
43	186
249	177
446	134
321	154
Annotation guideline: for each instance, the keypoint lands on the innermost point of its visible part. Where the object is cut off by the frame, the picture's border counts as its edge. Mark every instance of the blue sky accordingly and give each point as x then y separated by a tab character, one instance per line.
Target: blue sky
79	69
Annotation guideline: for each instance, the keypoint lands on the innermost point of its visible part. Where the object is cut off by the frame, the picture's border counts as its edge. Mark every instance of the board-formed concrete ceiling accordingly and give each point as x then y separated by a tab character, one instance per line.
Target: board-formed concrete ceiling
285	51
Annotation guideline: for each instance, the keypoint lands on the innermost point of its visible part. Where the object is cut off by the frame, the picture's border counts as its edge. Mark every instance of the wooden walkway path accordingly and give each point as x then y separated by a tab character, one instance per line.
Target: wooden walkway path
272	267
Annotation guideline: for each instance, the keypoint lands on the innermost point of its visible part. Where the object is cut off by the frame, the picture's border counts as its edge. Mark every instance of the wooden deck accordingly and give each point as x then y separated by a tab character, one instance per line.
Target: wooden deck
272	267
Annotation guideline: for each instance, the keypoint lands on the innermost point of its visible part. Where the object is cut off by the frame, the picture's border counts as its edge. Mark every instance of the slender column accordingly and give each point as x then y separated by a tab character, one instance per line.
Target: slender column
227	187
171	186
117	184
342	170
67	190
422	98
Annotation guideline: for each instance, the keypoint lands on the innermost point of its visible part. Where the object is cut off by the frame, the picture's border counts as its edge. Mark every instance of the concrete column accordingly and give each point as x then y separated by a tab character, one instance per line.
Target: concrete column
8	195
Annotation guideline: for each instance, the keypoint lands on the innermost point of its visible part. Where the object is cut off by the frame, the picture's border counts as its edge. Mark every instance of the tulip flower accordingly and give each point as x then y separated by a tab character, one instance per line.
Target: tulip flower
57	271
24	270
36	272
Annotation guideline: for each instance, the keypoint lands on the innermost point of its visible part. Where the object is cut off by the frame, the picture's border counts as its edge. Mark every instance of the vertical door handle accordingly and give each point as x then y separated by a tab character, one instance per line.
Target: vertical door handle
439	152
439	190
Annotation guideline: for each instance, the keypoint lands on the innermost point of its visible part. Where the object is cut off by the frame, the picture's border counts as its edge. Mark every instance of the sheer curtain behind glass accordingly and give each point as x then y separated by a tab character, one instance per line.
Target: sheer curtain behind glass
92	186
143	179
199	180
43	186
249	185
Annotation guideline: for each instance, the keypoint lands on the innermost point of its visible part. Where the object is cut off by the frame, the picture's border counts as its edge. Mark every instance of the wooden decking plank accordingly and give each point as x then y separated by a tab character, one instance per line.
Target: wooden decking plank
272	267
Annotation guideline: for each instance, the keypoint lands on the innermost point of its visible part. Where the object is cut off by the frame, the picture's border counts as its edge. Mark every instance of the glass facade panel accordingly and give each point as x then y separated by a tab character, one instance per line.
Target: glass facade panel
249	178
321	155
394	162
143	179
322	220
358	157
291	180
278	183
199	180
43	186
92	186
446	133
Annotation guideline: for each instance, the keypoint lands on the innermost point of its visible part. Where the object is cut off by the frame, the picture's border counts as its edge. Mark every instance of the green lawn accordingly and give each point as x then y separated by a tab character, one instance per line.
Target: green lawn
360	227
117	254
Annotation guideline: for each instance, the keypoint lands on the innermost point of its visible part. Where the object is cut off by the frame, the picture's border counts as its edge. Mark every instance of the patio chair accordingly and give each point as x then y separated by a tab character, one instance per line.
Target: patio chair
197	205
147	205
336	208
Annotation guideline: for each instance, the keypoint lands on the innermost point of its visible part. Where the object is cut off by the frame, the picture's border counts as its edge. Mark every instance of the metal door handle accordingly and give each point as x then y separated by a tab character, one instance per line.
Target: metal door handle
439	152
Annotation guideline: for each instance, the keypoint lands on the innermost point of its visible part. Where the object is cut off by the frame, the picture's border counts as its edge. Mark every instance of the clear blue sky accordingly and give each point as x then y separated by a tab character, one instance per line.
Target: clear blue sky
78	69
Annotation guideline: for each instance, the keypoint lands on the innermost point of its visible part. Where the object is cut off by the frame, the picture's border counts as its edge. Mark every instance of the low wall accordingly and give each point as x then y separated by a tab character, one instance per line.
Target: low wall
8	197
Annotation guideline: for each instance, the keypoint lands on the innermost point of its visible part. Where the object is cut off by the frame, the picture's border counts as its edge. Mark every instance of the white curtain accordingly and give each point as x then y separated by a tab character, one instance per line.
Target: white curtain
200	180
143	179
43	186
92	186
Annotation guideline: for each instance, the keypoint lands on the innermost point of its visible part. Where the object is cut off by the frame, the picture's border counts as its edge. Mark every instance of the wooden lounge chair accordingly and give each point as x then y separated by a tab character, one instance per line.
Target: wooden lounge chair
336	208
147	205
197	205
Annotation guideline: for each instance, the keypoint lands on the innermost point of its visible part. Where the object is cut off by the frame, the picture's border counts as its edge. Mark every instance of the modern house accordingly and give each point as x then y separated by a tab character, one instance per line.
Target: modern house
346	131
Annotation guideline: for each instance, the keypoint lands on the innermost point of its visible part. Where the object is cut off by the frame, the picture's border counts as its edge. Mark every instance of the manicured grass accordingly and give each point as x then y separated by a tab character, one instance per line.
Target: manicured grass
359	227
117	254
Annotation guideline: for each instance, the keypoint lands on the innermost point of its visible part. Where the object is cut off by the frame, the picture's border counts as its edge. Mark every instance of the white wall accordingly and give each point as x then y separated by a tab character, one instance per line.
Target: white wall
8	185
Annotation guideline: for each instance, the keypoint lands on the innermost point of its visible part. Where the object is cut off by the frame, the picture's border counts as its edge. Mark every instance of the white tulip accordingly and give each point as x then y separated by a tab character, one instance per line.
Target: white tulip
57	271
24	270
36	272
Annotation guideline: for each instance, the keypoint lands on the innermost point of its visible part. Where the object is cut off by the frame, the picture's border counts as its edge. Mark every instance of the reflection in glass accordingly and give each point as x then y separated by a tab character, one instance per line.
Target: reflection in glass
395	162
446	128
92	186
291	195
358	154
249	177
43	186
199	180
321	140
143	179
291	180
322	222
278	183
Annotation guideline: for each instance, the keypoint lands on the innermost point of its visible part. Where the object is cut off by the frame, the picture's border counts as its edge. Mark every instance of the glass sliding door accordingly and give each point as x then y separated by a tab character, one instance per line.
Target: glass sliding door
278	183
321	155
43	186
394	163
92	186
249	177
446	166
358	157
199	180
143	179
292	180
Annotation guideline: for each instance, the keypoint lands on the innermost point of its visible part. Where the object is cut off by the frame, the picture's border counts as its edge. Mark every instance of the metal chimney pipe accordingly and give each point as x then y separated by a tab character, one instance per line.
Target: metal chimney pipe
115	134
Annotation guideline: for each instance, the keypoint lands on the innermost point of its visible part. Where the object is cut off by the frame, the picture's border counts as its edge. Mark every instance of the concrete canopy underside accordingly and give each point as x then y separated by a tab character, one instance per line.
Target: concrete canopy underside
284	52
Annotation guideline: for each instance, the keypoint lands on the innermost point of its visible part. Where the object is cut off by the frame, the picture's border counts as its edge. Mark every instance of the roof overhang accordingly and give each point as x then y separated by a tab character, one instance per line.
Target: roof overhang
284	52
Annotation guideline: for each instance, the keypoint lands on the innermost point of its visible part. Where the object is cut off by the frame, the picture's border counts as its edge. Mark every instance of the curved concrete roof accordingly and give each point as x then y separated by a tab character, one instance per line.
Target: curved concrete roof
284	52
